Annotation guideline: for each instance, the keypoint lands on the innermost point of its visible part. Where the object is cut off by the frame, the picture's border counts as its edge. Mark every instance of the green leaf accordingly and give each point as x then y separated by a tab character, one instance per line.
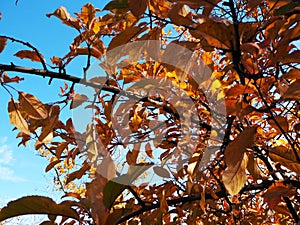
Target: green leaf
37	205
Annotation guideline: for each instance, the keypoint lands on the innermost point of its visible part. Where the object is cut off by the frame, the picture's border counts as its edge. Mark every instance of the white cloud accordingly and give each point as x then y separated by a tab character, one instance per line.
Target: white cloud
9	175
6	159
6	154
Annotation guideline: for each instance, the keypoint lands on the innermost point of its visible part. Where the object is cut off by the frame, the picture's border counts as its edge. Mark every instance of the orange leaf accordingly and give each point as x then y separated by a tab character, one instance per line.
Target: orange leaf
32	106
28	54
51	165
3	42
7	79
125	36
16	118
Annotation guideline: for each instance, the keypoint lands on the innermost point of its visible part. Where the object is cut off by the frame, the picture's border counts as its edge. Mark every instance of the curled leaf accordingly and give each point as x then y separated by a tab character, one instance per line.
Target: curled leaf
3	42
28	54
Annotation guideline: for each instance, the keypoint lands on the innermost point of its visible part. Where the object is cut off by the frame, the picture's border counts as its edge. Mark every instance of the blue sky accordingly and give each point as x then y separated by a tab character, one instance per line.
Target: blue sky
21	169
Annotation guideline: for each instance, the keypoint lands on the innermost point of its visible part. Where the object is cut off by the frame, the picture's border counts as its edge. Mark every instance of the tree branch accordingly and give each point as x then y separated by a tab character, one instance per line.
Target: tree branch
66	77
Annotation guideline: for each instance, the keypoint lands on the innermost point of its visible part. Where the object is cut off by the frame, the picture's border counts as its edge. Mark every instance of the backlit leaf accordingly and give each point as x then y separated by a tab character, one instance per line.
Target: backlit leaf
16	118
234	177
286	157
33	107
37	205
62	14
28	54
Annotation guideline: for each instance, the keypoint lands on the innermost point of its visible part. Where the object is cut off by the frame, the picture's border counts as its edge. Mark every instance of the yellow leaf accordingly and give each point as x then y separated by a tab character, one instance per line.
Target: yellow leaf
16	118
32	106
206	58
234	177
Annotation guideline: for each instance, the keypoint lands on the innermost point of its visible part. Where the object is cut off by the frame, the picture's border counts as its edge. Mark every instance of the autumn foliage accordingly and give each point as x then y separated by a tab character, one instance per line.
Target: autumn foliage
237	167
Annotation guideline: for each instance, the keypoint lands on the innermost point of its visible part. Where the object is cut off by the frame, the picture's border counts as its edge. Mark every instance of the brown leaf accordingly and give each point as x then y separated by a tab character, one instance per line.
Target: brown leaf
60	148
234	152
78	173
293	92
32	106
163	203
3	42
179	15
292	74
51	165
7	79
37	205
253	168
162	172
282	121
28	54
16	118
286	157
78	100
217	32
137	7
125	36
276	192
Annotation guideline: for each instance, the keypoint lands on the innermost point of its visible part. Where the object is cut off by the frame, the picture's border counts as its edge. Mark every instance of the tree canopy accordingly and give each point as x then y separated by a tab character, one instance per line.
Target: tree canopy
186	112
